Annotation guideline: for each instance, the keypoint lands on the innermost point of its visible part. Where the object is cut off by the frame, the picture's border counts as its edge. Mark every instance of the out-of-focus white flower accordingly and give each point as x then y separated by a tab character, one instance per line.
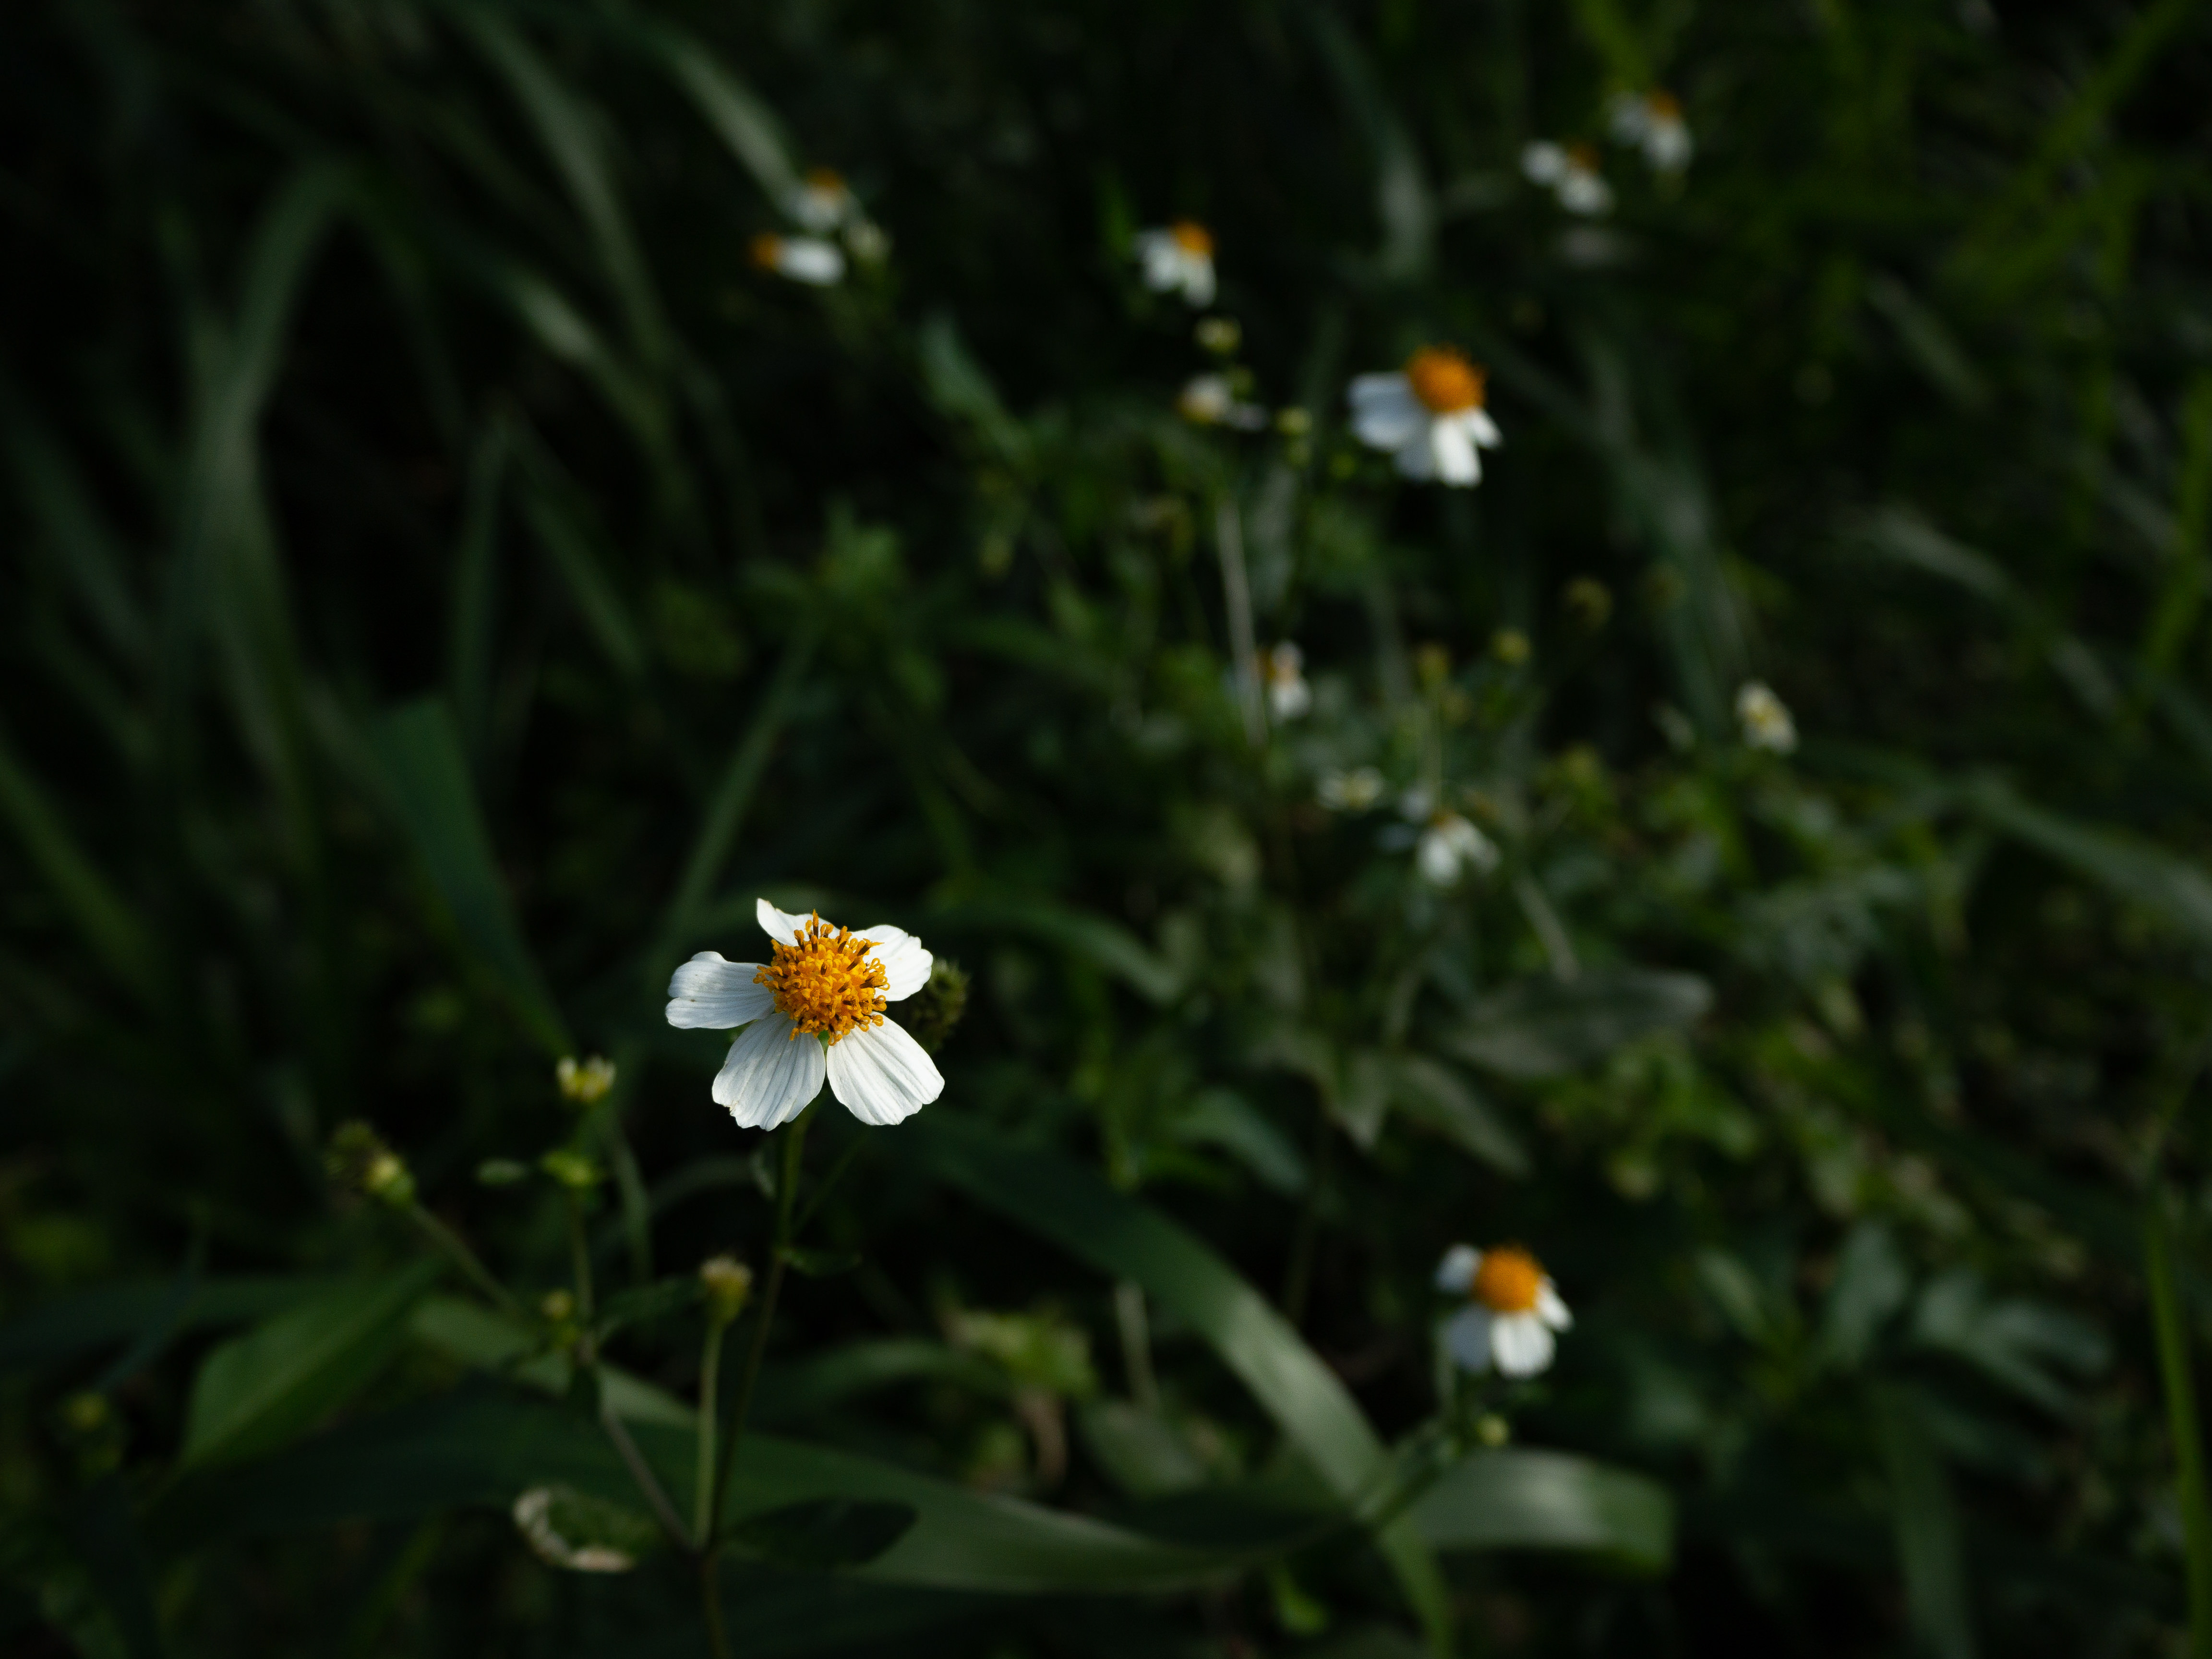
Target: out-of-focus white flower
1450	845
1765	718
1569	172
1178	258
1429	415
1652	122
815	1010
1513	1309
534	1520
585	1082
1210	400
1350	792
1283	671
820	202
803	258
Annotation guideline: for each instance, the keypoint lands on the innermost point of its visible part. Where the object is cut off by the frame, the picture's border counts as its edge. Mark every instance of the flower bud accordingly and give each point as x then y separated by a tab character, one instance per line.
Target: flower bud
1219	335
557	1307
585	1083
1491	1431
729	1284
1509	646
359	1163
571	1170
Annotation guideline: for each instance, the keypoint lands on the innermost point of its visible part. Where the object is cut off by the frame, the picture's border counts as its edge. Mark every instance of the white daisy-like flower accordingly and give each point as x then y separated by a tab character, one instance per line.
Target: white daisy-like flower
1349	791
1178	258
1513	1309
1569	172
1652	122
806	259
1765	718
820	202
815	1010
1282	669
1448	846
1429	415
1210	400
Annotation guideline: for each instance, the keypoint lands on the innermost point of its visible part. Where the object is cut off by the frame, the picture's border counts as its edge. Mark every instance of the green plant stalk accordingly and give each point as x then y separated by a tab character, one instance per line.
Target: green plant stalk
786	1192
710	1372
2169	1324
580	1261
472	1268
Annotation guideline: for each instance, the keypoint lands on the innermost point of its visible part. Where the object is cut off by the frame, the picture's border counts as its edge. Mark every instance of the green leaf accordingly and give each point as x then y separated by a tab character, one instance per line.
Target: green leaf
427	781
2169	890
1548	1500
742	122
60	1330
98	1525
258	1390
819	1264
1124	1240
1217	1117
805	1387
1436	1095
1925	1513
648	1303
1104	945
826	1532
1545	1028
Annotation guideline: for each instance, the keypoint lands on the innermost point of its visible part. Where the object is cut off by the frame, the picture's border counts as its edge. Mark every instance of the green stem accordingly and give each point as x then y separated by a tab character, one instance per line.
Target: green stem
474	1270
710	1371
710	1604
580	1263
640	1472
2169	1324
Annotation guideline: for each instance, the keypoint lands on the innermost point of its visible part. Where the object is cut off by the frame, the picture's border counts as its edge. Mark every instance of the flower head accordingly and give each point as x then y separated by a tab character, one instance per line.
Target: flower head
1513	1309
1350	792
1178	258
1210	400
802	258
1569	172
830	986
1652	122
1765	718
1448	846
1429	415
820	202
1282	670
585	1083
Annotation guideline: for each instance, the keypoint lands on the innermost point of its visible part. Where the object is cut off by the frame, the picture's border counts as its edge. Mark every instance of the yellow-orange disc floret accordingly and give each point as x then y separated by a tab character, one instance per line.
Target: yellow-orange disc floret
1507	1281
1192	237
828	983
1442	379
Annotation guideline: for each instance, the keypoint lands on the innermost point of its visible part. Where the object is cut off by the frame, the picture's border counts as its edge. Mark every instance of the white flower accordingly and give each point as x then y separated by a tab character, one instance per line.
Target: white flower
820	202
1652	122
1449	845
1429	415
803	258
1178	258
1210	400
1350	792
1569	172
534	1519
1765	718
1282	669
815	1010
1513	1308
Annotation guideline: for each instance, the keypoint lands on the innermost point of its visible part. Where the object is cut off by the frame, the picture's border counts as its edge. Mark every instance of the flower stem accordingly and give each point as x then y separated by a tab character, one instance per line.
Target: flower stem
465	1258
710	1371
786	1190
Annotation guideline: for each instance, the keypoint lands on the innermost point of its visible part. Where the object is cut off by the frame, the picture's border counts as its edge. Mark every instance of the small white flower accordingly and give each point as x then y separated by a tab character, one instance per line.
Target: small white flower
803	258
1765	718
820	202
815	1010
1283	670
1569	172
1429	415
1513	1308
1350	792
1449	845
1652	122
534	1519
1178	258
1210	400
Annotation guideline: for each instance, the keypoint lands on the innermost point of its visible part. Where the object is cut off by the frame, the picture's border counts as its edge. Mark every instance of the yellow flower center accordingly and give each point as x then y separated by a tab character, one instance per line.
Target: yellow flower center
1442	379
827	180
767	250
1192	237
1664	107
1507	1281
827	983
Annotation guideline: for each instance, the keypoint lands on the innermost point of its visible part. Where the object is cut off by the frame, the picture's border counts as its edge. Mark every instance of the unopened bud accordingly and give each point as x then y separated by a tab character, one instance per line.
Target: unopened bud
1293	422
571	1170
585	1083
1432	666
387	1181
86	1412
1491	1431
1509	646
729	1284
358	1163
1219	335
502	1172
557	1307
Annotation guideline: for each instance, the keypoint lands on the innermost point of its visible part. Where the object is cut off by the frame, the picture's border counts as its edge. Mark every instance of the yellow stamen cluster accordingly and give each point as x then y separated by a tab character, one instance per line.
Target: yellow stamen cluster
1442	379
1507	1281
1192	237
827	983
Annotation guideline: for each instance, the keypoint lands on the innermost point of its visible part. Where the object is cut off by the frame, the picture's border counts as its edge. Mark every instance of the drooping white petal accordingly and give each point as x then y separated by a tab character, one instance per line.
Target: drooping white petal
770	1075
881	1074
1543	161
906	964
1551	1308
1482	428
1455	1272
710	994
1385	413
1521	1344
806	259
1417	456
781	926
1198	279
1452	452
1467	1338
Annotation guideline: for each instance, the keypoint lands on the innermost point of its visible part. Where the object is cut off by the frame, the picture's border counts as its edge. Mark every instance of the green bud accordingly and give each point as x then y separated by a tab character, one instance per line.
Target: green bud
571	1170
1491	1431
502	1172
584	1082
729	1284
359	1163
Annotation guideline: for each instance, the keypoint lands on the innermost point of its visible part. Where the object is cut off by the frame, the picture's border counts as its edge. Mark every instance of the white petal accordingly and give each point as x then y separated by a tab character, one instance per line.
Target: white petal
1467	1338
1551	1308
770	1074
881	1074
803	259
1385	413
1482	428
1198	279
710	994
1163	261
1438	858
1455	1272
906	964
1543	161
781	926
1520	1344
1452	454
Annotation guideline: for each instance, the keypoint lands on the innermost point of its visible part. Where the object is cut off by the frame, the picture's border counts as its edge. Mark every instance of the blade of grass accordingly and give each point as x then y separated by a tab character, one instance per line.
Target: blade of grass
2170	1326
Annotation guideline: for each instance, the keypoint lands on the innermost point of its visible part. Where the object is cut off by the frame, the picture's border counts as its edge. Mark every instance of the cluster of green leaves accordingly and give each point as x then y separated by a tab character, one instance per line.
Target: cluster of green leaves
450	579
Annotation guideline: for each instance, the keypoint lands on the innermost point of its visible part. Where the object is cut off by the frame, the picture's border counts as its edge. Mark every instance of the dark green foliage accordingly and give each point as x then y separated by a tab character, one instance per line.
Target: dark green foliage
450	578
